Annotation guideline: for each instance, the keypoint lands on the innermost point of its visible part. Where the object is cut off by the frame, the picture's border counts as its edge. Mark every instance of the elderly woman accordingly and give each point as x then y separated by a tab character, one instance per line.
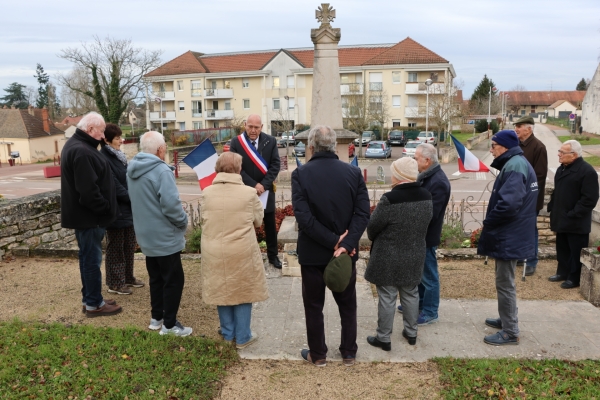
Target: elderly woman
233	274
398	227
120	234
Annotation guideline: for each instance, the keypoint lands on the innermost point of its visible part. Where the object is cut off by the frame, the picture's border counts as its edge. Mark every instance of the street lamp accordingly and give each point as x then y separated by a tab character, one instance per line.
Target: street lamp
428	83
489	120
159	100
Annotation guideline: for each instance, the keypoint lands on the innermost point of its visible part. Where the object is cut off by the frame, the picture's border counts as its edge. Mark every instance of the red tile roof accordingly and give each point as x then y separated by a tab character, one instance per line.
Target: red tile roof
21	124
237	62
545	98
406	52
187	63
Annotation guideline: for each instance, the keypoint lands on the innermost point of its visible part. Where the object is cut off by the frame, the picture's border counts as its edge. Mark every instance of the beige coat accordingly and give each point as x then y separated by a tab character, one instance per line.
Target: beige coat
232	266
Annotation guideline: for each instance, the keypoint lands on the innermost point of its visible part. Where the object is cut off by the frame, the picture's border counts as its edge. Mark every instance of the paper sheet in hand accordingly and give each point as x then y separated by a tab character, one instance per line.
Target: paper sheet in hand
263	198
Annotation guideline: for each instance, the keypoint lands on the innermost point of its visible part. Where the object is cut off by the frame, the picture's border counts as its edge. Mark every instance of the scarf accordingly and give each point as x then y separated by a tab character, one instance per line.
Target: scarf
117	153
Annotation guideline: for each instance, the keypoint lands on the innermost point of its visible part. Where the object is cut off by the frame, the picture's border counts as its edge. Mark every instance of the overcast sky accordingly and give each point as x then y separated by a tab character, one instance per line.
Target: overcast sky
540	45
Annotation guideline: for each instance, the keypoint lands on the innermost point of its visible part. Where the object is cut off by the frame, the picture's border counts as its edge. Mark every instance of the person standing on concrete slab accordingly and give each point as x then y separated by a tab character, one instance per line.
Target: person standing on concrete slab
331	205
574	197
508	232
260	167
88	204
398	228
535	152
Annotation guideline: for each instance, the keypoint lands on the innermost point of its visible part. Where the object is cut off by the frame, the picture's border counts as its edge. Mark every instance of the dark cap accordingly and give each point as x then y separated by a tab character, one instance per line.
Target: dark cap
507	138
338	272
525	120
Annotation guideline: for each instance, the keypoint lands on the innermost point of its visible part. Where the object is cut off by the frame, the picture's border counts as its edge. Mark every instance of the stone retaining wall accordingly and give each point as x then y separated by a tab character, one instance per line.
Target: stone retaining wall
478	138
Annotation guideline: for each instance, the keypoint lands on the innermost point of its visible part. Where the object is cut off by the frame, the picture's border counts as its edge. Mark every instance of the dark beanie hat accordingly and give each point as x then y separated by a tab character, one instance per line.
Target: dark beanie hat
506	138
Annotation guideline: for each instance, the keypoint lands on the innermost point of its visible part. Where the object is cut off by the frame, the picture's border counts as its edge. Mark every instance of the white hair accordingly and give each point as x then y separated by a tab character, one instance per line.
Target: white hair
151	141
575	147
322	138
428	151
90	119
528	126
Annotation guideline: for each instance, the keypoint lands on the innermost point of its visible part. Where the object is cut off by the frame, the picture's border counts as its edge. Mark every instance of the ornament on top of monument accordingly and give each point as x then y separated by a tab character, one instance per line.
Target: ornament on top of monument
325	14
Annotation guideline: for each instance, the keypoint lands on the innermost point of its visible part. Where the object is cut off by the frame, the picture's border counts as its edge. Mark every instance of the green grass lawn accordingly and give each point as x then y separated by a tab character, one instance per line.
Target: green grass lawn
562	122
518	378
60	362
594	161
584	140
462	137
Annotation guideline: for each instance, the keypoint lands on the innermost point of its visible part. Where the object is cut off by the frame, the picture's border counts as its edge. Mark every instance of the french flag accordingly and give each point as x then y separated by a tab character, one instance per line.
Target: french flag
467	162
203	160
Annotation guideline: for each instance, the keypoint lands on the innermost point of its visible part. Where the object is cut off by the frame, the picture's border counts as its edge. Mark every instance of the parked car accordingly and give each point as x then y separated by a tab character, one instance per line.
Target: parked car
282	142
351	150
366	137
410	148
427	137
289	136
227	145
378	149
300	149
397	137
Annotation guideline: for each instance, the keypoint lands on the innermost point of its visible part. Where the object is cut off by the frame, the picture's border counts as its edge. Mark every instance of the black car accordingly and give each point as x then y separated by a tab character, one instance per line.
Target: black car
397	137
300	149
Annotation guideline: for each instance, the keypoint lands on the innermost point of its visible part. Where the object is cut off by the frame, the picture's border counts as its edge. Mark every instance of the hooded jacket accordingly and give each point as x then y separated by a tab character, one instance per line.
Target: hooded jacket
436	182
509	227
158	216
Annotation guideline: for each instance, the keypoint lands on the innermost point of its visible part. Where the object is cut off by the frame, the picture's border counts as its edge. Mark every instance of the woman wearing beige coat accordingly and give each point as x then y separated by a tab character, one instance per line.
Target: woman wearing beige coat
233	275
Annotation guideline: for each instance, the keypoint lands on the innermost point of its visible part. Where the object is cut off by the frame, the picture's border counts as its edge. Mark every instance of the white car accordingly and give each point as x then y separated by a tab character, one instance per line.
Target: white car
366	137
410	148
427	137
289	136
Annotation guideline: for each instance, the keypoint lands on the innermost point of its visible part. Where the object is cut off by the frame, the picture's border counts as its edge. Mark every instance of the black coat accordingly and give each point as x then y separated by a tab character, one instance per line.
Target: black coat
574	197
535	152
329	197
88	198
436	182
251	175
119	171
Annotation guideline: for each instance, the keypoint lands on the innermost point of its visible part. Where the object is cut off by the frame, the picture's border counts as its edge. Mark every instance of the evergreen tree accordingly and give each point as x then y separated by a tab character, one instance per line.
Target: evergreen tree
15	96
582	85
480	98
43	79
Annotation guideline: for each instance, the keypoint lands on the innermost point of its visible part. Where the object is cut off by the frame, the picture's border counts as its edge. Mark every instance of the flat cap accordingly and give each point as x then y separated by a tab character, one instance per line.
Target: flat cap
338	272
525	120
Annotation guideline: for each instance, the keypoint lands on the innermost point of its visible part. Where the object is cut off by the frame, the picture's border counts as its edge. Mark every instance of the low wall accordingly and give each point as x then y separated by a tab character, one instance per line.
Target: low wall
475	140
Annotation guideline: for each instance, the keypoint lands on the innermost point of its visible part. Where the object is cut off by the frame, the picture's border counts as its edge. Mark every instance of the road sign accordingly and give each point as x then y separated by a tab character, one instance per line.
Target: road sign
571	117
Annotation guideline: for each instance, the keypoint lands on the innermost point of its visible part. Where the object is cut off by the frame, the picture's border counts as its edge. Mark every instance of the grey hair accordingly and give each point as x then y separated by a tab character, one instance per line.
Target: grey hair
151	141
575	147
90	119
428	151
322	138
528	126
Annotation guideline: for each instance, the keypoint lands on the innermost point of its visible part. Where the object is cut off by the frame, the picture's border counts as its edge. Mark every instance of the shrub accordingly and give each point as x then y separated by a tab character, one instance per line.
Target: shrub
481	126
193	242
181	140
451	236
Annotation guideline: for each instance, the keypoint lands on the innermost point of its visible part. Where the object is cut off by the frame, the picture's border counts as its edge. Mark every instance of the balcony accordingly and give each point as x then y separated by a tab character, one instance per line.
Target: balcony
414	112
196	112
166	95
376	86
351	88
421	88
218	114
162	116
196	92
218	93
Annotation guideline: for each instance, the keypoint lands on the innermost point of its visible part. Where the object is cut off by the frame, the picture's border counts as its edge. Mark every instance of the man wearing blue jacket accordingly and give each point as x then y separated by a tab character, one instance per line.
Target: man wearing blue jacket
159	222
508	232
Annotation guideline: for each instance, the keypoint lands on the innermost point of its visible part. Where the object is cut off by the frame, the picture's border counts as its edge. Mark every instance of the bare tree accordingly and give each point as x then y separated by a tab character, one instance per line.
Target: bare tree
116	68
75	100
443	107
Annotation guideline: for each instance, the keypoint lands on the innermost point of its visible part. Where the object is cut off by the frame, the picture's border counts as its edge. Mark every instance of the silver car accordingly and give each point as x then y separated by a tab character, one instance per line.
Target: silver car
410	148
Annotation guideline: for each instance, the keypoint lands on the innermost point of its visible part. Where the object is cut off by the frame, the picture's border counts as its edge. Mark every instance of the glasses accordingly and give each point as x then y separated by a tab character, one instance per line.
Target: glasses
562	153
494	145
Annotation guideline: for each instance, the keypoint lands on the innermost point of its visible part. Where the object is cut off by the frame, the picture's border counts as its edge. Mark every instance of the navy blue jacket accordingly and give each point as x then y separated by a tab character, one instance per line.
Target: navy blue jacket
329	197
119	171
509	226
436	182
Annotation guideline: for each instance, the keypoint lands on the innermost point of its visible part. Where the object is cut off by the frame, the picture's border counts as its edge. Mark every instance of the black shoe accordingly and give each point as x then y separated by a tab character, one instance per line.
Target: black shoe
275	261
494	322
520	263
373	341
557	278
569	285
412	340
529	270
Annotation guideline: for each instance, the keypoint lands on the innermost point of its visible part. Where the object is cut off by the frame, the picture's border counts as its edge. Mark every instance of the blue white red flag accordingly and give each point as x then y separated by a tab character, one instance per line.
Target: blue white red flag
467	162
354	161
203	160
298	163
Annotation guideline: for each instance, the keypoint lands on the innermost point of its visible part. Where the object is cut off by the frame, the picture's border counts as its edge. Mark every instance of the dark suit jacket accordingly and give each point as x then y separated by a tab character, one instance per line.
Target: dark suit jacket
535	152
251	175
328	196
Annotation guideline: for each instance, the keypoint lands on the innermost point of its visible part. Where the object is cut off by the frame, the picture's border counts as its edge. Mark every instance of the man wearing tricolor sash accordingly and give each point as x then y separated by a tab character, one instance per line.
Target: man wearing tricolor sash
260	167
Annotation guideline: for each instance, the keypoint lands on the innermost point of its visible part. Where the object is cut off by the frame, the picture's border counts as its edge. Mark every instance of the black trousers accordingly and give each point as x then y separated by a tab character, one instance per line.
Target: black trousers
271	235
313	295
166	286
568	251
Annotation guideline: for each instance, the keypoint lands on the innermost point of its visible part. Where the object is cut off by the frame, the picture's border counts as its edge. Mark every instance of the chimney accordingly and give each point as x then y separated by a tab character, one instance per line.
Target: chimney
30	110
45	120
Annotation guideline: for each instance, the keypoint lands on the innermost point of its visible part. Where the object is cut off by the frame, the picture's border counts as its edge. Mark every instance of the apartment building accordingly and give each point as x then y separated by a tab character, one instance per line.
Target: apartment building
196	90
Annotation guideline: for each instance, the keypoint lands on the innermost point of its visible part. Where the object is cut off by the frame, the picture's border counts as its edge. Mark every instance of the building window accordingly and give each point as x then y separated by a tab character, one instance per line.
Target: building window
226	85
290	81
375	81
275	104
395	101
344	78
275	81
395	77
291	103
181	105
412	124
245	82
228	104
246	104
412	77
182	126
196	108
180	85
197	124
395	122
196	88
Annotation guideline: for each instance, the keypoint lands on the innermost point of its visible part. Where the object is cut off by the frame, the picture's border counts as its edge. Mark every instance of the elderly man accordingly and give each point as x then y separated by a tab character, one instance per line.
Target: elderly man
435	181
160	224
574	197
535	152
260	167
88	204
508	232
331	205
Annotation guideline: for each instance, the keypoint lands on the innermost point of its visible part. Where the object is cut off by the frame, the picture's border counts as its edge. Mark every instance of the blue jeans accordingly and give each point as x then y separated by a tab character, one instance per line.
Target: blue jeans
235	322
90	260
429	288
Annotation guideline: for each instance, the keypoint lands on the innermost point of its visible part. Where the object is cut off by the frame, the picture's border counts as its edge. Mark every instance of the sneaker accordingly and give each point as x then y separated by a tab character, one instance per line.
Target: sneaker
305	353
494	322
105	310
155	325
177	330
501	338
349	361
107	301
136	283
120	290
253	339
400	309
426	320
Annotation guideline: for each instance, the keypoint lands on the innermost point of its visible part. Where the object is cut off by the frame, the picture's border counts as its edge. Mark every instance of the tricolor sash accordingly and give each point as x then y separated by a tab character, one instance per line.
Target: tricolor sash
256	158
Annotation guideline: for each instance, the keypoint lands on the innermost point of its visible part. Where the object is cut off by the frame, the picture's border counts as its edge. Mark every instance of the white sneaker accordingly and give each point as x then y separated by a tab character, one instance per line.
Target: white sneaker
155	325
177	330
